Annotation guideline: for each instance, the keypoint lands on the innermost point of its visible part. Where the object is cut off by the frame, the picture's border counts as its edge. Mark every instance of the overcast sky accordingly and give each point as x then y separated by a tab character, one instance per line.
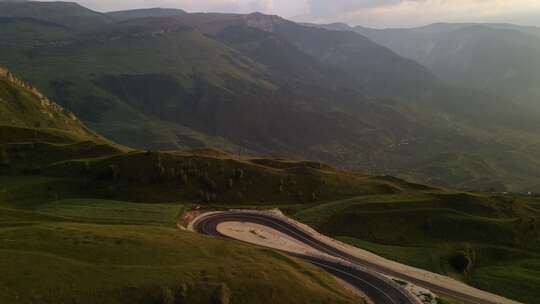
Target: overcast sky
373	13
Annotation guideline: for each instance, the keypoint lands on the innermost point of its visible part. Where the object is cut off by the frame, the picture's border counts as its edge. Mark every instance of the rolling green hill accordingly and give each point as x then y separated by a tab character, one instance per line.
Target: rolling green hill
488	241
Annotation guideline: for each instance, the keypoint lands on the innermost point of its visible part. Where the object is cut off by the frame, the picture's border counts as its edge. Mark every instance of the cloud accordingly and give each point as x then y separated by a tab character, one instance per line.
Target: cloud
261	6
374	13
322	8
406	13
230	6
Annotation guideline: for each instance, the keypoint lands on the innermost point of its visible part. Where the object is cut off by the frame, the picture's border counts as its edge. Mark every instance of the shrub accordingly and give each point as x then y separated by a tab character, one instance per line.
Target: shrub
222	295
460	261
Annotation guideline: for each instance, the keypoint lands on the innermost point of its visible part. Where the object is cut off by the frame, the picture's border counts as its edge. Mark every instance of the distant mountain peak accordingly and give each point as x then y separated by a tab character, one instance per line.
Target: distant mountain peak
339	26
68	14
264	22
145	13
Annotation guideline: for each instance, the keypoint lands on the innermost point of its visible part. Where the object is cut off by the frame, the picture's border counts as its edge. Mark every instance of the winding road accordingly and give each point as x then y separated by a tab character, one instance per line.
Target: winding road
362	274
376	287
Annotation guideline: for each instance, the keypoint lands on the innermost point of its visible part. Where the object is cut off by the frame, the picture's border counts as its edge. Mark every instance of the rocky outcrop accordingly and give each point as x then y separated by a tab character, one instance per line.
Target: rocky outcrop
264	22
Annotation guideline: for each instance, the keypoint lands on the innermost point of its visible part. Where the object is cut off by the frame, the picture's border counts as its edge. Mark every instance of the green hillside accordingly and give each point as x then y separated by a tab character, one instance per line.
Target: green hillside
23	106
488	241
66	14
35	131
30	32
52	259
60	243
144	13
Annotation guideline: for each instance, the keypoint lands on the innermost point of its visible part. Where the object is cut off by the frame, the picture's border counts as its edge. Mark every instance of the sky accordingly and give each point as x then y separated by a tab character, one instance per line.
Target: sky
371	13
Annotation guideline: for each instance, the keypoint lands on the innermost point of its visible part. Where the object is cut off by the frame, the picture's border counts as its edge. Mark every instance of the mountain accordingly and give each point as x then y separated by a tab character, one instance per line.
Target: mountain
23	106
35	131
496	58
201	83
30	32
267	86
68	14
144	13
379	71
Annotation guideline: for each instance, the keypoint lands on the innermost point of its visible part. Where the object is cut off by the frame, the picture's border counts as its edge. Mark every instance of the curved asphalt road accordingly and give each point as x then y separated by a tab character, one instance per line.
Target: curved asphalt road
373	285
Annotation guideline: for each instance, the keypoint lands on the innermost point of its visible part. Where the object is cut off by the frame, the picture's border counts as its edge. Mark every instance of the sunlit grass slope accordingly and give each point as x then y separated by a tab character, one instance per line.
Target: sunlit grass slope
47	259
489	241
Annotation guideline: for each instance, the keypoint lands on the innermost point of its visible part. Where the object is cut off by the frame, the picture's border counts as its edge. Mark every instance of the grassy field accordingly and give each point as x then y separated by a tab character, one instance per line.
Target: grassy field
103	211
56	255
489	241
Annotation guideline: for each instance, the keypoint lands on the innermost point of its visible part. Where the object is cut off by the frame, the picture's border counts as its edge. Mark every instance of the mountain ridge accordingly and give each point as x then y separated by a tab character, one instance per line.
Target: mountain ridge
496	58
69	14
17	94
268	86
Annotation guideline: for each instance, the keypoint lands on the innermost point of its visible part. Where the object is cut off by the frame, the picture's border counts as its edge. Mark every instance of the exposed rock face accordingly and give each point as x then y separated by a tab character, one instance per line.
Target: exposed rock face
38	107
263	22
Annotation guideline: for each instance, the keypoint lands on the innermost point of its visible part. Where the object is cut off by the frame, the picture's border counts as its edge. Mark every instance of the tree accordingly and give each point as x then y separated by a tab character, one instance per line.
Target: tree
4	157
460	261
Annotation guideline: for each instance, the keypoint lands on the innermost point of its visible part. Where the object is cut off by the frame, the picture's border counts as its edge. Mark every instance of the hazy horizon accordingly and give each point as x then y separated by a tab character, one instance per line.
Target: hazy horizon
371	13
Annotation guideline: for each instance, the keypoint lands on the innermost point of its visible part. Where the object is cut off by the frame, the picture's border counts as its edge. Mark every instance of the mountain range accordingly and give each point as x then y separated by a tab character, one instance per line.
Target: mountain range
167	79
500	59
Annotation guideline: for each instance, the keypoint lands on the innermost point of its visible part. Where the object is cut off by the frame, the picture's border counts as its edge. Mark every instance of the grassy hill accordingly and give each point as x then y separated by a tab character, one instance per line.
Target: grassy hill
86	262
35	131
488	241
25	107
